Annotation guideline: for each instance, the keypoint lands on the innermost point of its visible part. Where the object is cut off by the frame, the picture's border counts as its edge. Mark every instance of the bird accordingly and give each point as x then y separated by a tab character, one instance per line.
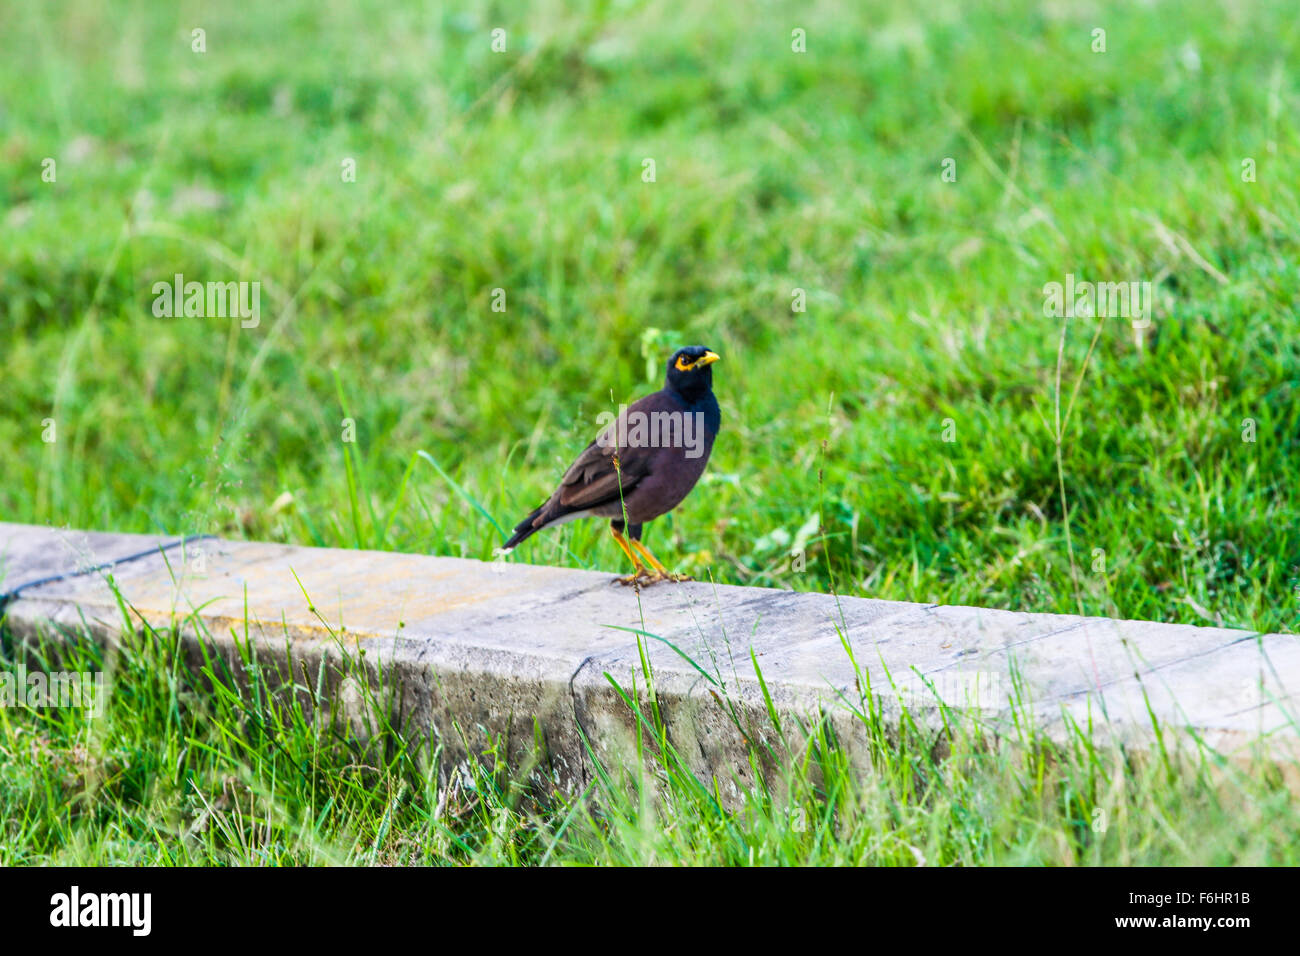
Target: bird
641	466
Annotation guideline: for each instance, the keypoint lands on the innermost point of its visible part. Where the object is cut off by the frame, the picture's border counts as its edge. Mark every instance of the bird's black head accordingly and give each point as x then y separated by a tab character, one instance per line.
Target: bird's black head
690	371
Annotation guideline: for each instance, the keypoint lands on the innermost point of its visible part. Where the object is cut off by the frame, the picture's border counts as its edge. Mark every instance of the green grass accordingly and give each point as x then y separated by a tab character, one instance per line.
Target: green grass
775	171
189	766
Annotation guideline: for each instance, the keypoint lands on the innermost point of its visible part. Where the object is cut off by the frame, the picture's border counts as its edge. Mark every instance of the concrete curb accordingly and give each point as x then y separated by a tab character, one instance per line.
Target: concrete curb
471	649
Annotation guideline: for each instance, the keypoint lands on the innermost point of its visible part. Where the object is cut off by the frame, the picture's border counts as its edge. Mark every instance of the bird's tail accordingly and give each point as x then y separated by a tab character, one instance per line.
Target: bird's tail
522	531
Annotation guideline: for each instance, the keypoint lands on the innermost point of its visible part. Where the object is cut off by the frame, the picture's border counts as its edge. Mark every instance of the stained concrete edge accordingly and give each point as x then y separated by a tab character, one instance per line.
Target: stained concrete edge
475	650
33	553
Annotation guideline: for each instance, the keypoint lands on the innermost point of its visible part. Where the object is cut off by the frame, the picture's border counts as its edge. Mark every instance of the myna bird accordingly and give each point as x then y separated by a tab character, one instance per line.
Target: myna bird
642	465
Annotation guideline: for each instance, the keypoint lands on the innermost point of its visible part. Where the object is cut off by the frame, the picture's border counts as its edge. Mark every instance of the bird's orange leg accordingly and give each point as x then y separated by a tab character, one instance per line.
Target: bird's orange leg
664	573
641	572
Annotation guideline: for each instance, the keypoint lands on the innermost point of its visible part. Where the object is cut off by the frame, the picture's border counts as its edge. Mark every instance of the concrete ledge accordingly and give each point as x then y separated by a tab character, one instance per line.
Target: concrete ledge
33	553
471	649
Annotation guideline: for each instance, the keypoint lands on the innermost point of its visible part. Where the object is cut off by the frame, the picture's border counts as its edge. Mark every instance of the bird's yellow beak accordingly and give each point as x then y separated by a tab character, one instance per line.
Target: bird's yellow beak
708	358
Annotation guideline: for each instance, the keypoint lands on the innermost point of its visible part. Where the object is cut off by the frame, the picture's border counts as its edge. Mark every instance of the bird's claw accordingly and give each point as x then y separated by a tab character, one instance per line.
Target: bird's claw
644	578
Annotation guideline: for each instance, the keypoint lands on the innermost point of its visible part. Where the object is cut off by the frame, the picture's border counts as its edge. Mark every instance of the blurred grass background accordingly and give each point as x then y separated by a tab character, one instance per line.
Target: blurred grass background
775	170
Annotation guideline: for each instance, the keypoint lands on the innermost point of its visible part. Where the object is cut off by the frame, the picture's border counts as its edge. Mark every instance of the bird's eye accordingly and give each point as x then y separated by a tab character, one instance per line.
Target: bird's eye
684	363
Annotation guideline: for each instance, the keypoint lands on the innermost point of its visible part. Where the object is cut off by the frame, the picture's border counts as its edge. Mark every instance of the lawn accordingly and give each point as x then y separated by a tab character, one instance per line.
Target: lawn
474	252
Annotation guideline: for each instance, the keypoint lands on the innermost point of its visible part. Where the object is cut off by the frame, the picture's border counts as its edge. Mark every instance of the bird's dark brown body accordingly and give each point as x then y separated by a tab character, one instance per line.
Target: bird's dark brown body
644	463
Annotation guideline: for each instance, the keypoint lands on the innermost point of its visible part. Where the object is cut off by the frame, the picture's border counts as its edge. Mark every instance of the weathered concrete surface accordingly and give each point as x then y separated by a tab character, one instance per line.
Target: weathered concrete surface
471	650
30	553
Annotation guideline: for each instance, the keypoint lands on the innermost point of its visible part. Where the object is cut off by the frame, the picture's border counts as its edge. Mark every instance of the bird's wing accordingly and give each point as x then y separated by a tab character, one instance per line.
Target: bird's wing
593	480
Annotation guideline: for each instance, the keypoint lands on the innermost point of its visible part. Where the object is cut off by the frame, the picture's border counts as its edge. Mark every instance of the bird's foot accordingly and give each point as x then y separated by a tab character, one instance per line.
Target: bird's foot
638	580
644	578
